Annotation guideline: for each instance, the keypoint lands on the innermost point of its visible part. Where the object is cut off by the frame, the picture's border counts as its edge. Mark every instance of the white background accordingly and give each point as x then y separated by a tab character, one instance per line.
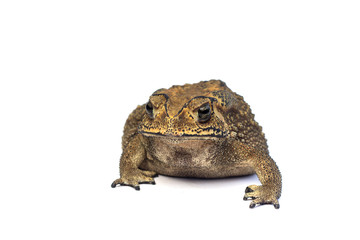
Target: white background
72	71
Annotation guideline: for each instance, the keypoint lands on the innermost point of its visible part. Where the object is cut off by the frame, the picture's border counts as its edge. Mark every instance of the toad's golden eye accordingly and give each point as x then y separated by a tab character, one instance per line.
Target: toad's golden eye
149	109
204	113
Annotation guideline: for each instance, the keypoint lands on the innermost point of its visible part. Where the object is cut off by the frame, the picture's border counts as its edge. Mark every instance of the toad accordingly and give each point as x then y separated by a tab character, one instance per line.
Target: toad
201	130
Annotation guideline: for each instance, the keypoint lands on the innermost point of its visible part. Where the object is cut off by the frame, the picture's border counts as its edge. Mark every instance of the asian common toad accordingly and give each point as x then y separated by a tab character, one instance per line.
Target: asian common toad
201	130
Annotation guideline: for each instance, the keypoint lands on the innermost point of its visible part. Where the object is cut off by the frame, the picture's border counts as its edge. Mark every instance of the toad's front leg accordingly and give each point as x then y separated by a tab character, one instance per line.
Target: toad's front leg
269	175
130	174
266	170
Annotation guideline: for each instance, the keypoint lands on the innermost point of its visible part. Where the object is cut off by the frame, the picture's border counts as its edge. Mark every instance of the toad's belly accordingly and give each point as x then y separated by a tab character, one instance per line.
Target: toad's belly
193	158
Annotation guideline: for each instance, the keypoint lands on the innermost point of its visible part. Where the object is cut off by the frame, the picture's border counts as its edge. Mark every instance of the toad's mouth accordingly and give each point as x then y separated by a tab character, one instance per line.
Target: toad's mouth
185	136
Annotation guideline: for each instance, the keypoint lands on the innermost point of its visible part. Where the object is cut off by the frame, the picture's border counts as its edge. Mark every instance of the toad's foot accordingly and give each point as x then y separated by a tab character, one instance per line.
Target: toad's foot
261	195
134	178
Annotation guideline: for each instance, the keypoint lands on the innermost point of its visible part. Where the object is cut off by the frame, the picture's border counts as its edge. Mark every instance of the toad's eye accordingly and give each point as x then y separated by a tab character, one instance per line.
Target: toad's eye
149	109
204	113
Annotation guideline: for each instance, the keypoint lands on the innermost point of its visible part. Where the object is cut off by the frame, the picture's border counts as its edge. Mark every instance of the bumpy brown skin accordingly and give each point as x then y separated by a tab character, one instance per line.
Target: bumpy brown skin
202	130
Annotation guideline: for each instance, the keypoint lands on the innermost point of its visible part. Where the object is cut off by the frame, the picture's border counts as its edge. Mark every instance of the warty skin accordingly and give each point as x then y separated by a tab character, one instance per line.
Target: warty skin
201	130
